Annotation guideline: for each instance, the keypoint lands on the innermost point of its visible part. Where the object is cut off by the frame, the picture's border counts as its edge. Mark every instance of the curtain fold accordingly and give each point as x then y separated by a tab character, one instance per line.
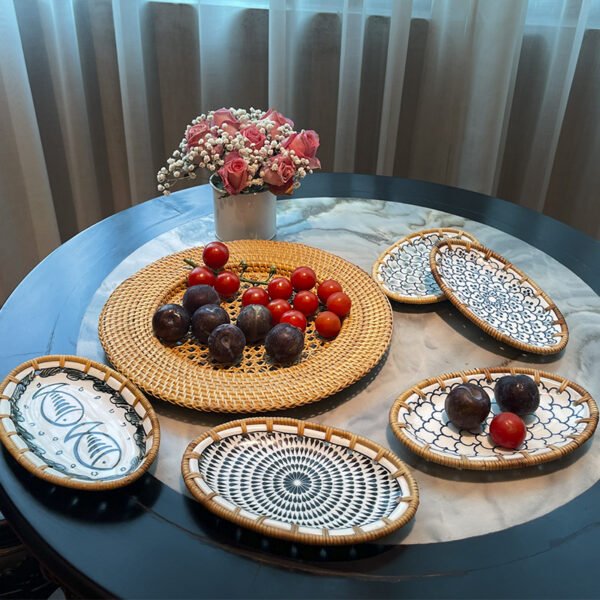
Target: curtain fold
498	97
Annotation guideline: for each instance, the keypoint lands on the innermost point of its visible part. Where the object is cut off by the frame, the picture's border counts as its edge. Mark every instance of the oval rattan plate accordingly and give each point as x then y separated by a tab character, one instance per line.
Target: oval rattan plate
77	423
403	271
566	418
185	374
498	297
300	481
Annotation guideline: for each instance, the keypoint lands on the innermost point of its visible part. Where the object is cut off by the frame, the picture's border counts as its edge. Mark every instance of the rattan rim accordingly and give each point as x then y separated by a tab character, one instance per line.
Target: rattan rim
303	428
466	311
500	463
126	336
69	481
431	298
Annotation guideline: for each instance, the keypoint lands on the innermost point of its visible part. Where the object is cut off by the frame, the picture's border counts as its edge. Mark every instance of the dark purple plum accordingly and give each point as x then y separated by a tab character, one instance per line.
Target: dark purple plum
284	343
199	295
226	343
518	394
467	405
171	322
255	321
206	319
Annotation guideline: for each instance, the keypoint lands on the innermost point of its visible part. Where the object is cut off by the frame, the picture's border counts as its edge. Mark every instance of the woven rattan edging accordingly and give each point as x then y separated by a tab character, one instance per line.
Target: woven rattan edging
467	312
69	481
301	426
431	299
182	374
500	463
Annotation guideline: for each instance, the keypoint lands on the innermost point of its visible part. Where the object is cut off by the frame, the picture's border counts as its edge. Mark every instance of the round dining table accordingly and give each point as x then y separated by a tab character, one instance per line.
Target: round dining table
531	532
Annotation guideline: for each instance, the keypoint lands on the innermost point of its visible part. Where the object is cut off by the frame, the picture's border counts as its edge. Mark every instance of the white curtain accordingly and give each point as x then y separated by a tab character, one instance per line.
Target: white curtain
497	96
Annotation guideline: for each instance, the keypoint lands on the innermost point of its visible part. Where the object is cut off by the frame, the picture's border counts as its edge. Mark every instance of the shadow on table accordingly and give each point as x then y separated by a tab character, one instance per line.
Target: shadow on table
121	504
472	333
248	543
450	474
308	411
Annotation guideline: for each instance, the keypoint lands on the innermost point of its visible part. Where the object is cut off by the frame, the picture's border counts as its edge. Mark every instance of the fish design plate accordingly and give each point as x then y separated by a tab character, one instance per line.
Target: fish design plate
566	418
498	297
77	423
402	271
300	481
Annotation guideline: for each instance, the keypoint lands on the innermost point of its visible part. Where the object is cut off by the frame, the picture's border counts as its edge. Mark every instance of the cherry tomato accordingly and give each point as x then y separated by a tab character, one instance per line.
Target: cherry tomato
280	287
201	275
295	318
339	303
328	287
277	308
508	430
227	284
303	278
306	302
255	295
215	255
328	324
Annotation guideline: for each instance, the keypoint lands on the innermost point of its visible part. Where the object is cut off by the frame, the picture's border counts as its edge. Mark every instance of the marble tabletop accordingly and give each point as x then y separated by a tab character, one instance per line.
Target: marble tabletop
427	341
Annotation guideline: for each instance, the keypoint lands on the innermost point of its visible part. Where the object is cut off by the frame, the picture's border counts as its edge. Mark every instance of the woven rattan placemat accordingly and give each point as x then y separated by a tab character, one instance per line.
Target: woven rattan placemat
184	374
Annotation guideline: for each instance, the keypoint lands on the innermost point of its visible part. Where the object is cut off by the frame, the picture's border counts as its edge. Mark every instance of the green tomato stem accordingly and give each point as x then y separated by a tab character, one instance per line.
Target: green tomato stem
244	267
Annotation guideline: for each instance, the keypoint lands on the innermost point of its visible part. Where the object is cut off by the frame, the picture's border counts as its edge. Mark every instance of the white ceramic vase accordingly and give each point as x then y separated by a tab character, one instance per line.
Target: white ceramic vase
244	216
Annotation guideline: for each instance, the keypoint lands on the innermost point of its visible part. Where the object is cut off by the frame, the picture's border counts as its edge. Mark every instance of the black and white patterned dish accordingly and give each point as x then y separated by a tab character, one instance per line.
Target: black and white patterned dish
566	417
403	270
498	297
300	481
77	423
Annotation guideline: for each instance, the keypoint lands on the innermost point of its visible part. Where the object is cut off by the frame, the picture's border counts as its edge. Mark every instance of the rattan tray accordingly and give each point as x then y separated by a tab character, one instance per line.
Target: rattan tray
300	481
77	423
498	297
403	270
184	374
566	418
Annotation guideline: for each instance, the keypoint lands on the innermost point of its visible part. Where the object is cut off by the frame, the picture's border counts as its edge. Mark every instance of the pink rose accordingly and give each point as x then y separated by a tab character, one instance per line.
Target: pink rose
254	136
278	118
196	134
281	179
305	145
224	119
234	173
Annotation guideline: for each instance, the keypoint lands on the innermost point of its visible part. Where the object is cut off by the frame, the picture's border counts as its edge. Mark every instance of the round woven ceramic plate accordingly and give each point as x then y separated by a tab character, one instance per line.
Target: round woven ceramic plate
300	481
403	271
77	423
185	374
566	418
498	297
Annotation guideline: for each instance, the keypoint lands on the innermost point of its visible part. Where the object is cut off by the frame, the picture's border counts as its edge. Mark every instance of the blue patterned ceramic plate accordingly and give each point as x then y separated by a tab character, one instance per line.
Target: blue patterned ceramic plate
403	272
566	417
77	423
300	481
498	297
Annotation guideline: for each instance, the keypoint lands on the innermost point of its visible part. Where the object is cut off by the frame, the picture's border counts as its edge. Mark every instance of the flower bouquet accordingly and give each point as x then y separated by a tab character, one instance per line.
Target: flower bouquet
247	151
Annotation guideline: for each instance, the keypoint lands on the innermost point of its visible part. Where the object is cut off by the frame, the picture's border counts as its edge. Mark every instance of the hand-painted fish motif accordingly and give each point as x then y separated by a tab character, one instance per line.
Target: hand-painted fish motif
59	407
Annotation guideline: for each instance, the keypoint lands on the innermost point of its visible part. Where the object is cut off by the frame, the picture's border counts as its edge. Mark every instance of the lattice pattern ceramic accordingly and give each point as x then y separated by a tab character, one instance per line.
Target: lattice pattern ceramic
498	297
403	270
567	416
300	481
77	423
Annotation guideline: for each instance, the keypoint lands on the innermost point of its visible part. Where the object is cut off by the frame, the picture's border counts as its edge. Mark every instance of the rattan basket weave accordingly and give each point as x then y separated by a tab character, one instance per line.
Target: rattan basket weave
184	374
427	397
318	471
